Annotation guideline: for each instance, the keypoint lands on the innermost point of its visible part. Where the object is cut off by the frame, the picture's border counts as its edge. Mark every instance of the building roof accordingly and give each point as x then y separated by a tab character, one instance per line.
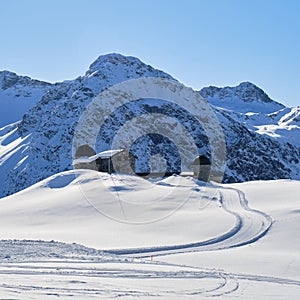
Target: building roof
103	155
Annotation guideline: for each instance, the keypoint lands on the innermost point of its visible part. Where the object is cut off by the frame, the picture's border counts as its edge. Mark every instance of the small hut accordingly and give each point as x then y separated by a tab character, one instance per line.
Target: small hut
119	161
82	158
110	161
201	168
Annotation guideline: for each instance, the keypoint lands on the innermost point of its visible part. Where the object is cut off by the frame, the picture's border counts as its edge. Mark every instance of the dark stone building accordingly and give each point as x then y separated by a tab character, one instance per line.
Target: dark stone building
110	161
201	166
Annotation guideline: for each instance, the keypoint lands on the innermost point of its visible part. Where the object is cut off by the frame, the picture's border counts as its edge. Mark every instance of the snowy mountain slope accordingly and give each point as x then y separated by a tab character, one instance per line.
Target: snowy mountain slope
41	144
291	118
56	209
17	95
251	156
250	105
50	124
287	129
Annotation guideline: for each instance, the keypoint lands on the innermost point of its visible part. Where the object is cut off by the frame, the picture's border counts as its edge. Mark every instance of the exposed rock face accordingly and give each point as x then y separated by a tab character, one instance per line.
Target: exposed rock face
41	143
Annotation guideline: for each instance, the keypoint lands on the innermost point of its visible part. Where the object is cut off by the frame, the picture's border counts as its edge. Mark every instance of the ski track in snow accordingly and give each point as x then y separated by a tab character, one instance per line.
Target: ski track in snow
39	269
250	226
46	269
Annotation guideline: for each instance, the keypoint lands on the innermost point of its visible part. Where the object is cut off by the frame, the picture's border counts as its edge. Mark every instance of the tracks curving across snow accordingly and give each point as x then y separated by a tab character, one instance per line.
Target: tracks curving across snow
40	269
250	226
70	270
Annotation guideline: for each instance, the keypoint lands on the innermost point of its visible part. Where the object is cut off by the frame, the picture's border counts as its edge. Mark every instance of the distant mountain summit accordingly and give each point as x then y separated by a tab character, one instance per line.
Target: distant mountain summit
246	97
126	66
9	79
262	135
17	95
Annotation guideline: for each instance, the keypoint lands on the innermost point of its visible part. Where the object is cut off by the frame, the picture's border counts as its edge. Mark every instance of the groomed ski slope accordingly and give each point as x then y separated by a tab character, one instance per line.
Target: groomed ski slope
250	225
231	241
51	269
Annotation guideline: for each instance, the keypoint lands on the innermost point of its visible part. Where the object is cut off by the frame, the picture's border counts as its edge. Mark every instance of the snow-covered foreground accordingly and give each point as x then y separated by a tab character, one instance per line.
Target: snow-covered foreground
173	238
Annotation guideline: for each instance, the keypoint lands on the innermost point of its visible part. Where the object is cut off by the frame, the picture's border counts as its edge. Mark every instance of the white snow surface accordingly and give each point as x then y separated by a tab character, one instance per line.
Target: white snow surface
286	129
171	238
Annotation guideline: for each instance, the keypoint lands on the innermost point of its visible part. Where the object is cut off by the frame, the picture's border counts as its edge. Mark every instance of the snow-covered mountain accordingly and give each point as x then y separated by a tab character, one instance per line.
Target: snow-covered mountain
40	145
251	106
17	95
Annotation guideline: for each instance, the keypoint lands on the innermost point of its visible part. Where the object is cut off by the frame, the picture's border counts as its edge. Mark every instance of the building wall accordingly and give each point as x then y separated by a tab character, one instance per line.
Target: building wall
89	166
202	168
122	162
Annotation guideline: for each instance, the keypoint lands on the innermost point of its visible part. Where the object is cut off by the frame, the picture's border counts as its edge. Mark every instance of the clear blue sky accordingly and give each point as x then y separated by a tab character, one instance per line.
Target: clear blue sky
209	42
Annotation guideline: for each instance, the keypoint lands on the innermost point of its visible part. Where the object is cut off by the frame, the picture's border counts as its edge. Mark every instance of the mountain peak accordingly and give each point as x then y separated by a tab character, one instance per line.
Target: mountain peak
254	89
8	78
248	84
7	73
246	97
111	60
114	67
